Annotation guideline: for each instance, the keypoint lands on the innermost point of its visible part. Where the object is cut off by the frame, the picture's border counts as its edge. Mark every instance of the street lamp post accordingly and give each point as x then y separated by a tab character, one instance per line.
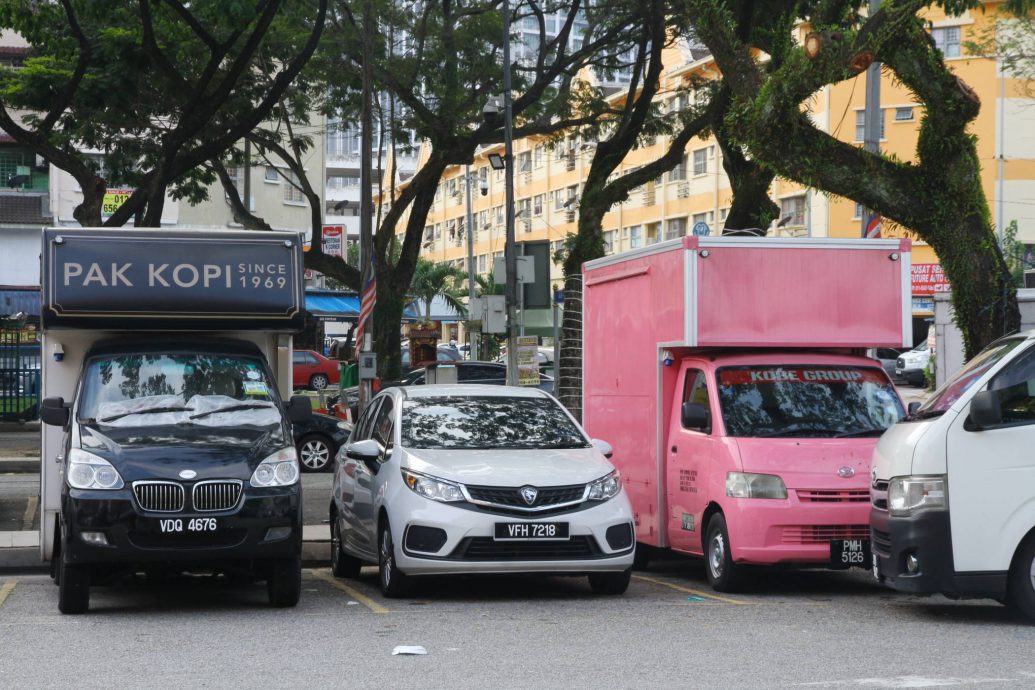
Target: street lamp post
509	249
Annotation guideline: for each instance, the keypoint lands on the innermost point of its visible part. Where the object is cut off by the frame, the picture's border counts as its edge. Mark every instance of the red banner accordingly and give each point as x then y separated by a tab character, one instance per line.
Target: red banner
741	377
929	279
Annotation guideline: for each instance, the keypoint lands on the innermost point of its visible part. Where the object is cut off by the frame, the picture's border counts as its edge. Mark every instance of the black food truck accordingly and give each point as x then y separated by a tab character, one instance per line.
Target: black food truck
166	371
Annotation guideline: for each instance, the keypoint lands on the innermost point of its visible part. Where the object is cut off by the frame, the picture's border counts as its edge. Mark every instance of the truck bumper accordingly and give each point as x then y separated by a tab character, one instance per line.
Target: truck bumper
266	525
925	541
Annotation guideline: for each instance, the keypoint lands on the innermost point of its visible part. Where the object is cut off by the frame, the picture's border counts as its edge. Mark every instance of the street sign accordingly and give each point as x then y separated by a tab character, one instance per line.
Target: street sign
701	229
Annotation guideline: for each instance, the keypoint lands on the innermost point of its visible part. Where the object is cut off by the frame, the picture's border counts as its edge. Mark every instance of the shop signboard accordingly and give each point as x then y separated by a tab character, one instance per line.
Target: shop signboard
528	360
929	279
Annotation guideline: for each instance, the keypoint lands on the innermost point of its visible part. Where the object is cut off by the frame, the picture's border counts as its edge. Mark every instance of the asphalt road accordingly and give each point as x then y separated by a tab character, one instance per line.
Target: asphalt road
791	629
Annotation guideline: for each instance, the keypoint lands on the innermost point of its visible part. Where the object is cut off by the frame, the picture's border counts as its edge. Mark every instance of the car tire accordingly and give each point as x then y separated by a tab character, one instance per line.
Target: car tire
315	452
318	382
55	557
342	563
73	587
1020	585
641	560
284	584
723	574
610	583
394	583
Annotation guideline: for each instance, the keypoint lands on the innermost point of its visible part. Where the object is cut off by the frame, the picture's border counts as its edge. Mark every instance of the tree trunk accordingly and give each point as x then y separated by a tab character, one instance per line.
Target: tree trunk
387	339
569	369
88	213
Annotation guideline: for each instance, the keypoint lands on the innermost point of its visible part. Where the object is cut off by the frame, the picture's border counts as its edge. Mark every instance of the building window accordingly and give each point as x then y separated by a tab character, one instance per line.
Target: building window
609	241
499	215
537	155
678	172
271	174
858	211
701	162
524	161
702	218
723	212
537	205
860	125
292	192
558	199
635	237
947	40
675	227
793	206
524	210
483	263
903	114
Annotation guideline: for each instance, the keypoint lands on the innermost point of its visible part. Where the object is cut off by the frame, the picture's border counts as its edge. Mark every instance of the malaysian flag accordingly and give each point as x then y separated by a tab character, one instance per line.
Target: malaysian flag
366	304
873	227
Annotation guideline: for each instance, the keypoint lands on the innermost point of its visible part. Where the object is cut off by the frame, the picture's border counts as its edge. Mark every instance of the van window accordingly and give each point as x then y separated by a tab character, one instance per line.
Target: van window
1014	386
383	425
807	401
960	383
695	388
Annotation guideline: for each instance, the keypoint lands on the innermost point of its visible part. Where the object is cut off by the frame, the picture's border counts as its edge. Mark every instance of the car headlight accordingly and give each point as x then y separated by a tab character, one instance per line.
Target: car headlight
88	471
750	485
907	495
605	487
279	469
432	487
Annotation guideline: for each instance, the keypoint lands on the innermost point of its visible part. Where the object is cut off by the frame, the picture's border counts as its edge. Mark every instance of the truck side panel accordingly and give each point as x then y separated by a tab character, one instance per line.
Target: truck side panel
628	308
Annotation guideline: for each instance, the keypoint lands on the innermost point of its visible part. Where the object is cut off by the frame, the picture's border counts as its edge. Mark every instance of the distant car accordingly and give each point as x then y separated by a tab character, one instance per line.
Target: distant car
888	358
456	479
912	365
317	440
444	353
312	370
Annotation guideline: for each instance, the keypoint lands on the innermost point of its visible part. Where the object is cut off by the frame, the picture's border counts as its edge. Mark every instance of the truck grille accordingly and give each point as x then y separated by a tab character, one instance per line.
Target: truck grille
834	496
159	497
220	494
510	497
880	542
879	494
821	534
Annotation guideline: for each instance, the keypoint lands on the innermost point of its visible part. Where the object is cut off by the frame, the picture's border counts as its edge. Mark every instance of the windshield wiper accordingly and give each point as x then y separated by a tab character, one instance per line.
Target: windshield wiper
233	408
146	410
861	432
796	430
925	414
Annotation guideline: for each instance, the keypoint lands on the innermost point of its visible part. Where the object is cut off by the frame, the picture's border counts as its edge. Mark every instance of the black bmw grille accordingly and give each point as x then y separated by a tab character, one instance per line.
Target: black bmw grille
158	496
216	495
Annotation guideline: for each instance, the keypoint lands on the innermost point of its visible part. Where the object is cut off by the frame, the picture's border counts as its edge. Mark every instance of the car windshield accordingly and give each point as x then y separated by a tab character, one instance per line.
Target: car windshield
134	390
950	391
807	401
469	422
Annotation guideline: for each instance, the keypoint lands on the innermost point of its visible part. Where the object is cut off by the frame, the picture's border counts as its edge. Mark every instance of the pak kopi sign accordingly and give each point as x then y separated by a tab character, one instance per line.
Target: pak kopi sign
155	278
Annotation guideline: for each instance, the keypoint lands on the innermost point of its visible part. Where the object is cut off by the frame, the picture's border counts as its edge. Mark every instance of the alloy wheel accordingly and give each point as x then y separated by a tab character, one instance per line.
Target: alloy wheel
387	558
717	555
315	454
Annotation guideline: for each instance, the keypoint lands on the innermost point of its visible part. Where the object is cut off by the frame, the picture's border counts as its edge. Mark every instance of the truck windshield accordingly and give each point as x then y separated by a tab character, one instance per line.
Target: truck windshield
487	422
136	390
807	401
951	390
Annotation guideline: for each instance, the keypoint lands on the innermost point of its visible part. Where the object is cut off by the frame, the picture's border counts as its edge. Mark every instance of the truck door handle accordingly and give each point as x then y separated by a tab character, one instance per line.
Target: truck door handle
675	449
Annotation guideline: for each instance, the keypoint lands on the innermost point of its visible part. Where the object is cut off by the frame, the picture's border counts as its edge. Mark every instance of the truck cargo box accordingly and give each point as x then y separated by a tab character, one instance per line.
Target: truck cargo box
648	305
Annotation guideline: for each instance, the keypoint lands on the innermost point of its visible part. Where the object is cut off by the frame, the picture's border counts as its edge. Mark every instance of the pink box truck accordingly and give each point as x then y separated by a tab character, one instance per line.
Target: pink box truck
730	377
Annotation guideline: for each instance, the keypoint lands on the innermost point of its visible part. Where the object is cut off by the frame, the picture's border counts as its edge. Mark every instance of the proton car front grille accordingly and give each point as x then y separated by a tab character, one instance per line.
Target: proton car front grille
510	497
158	496
219	494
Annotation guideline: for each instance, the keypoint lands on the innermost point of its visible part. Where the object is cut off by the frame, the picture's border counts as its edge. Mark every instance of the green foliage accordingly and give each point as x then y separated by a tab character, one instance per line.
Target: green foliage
431	280
1014	255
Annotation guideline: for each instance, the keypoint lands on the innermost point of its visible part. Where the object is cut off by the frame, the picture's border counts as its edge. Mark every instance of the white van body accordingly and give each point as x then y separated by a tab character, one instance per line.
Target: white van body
953	486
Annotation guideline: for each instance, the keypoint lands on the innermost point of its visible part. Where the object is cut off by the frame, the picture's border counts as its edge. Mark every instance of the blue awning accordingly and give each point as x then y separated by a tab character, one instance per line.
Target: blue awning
13	300
342	306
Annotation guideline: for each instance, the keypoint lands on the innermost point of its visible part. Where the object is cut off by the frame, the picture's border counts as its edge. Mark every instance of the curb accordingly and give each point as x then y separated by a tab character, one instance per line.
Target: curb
16	465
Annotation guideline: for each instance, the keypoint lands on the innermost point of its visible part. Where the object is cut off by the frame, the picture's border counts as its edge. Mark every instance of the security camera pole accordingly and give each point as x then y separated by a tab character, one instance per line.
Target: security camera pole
510	295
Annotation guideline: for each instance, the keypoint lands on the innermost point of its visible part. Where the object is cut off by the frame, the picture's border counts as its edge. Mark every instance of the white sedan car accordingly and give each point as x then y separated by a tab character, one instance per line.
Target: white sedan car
477	479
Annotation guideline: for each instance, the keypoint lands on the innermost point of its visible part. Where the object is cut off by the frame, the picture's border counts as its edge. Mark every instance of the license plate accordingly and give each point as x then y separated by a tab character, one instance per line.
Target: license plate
177	525
531	531
849	552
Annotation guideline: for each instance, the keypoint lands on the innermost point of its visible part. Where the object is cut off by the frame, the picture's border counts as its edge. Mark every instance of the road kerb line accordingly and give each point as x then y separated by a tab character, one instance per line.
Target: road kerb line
30	512
696	592
355	594
6	589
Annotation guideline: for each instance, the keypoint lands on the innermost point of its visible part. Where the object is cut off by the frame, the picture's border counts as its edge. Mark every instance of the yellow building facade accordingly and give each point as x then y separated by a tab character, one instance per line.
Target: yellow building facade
548	178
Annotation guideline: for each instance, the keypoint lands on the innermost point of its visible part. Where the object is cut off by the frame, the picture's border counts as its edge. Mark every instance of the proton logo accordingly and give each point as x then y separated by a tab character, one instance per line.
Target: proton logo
529	494
846	471
188	474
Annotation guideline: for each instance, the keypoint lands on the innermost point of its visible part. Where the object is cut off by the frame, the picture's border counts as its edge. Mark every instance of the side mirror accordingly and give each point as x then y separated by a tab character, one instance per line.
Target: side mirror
54	412
696	416
299	408
367	451
985	411
913	407
603	446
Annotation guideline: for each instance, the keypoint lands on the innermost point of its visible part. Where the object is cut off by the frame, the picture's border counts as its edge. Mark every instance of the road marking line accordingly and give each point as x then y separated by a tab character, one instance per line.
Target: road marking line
697	592
6	589
358	596
30	512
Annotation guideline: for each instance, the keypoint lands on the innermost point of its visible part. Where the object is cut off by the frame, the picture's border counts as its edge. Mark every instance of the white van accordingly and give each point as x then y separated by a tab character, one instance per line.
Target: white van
953	485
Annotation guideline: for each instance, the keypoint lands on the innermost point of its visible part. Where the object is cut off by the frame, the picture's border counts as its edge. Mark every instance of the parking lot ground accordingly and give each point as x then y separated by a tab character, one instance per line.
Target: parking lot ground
787	629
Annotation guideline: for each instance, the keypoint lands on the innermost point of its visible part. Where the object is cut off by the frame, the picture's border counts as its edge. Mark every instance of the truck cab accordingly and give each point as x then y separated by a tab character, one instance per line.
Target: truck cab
953	509
167	438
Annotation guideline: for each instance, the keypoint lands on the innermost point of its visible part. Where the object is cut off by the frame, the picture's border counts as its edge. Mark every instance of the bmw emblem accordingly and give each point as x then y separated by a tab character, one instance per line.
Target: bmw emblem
188	474
846	471
529	494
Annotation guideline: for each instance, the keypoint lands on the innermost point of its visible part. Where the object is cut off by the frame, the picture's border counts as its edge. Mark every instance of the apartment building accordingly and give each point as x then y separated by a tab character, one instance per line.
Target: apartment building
695	196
